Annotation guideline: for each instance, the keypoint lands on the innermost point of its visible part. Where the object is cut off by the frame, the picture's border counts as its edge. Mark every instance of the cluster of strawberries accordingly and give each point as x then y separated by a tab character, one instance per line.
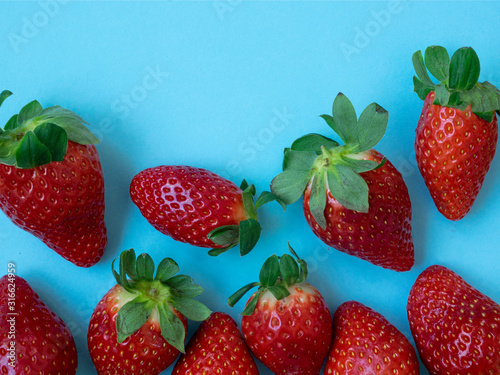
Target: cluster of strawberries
354	199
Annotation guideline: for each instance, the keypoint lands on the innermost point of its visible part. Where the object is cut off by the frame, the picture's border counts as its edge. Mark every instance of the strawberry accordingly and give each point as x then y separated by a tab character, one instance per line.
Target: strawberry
364	342
141	323
33	339
457	131
286	323
456	328
217	347
197	206
355	200
51	181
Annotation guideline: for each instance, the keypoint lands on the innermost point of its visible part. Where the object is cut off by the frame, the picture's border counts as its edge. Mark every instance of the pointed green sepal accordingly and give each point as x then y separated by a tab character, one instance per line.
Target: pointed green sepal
249	234
172	328
132	316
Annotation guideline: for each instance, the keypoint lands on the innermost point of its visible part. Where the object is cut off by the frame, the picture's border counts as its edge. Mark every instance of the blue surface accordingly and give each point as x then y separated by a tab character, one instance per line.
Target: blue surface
226	85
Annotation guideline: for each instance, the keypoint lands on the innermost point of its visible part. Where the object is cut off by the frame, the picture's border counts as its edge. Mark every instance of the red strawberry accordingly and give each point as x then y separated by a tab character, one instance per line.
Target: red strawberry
456	328
197	206
141	323
364	342
33	340
286	323
457	131
355	200
217	347
51	182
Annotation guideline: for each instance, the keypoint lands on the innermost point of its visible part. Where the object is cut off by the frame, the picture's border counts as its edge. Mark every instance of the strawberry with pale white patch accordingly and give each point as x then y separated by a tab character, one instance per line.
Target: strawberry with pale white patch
217	347
286	323
140	325
355	200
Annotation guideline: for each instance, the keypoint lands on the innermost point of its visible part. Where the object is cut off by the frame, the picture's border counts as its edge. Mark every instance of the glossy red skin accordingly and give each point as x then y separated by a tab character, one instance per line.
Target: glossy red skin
383	235
145	352
61	203
456	328
364	342
187	203
44	344
217	347
454	150
291	336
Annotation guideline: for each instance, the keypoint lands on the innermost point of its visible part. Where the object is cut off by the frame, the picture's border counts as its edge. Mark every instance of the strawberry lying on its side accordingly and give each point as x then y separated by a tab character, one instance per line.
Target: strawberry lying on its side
286	323
355	200
51	181
217	347
197	206
140	325
457	131
33	340
456	328
364	342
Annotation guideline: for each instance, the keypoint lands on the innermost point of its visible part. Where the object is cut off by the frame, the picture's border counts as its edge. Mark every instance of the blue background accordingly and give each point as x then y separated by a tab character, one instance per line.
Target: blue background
226	85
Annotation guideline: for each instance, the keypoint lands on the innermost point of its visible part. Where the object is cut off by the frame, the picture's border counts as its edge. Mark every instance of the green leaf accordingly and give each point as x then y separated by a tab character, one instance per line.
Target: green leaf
56	111
235	297
244	184
172	328
455	101
464	69
31	152
483	98
54	138
290	185
437	61
116	274
289	269
191	309
487	116
179	281
270	271
145	267
442	95
76	130
279	291
12	123
29	111
132	316
348	188
266	197
129	264
4	95
344	119
317	200
250	307
224	235
371	126
249	234
248	204
303	271
219	251
358	165
127	258
421	88
184	286
313	142
420	69
299	160
166	269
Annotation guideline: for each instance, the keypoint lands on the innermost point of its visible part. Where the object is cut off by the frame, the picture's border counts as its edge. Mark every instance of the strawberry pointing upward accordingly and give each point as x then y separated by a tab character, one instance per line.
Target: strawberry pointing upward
51	181
457	131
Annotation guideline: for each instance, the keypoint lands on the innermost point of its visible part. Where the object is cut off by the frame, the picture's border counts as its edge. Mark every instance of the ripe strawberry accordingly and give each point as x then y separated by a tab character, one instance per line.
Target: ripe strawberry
364	342
217	347
140	324
456	328
286	323
51	181
457	131
355	200
197	206
33	340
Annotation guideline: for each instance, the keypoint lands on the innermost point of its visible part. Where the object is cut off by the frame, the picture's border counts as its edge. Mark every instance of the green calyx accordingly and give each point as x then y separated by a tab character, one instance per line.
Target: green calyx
156	294
458	85
38	136
324	165
276	275
247	232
